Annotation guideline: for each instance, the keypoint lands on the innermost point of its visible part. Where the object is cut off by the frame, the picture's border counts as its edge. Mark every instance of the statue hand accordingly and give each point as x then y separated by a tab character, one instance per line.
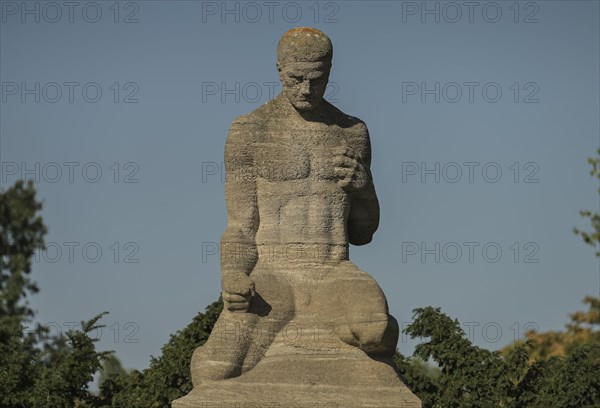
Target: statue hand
237	292
348	170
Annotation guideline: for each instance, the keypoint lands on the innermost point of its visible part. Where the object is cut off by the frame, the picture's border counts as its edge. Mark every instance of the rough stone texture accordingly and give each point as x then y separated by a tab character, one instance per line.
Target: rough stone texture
302	325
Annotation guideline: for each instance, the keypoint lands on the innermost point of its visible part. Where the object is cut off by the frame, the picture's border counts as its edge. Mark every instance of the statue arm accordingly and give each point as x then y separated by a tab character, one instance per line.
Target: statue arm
238	245
363	219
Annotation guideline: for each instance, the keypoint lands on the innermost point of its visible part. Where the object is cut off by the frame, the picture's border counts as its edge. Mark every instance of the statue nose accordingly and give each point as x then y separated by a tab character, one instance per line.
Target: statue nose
305	87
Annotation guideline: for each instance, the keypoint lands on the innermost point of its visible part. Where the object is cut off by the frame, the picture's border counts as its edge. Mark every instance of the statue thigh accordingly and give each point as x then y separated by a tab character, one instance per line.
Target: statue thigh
239	340
352	301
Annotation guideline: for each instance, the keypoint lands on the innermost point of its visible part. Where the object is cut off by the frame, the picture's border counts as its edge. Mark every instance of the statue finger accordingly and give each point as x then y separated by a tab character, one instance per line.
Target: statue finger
345	161
349	153
234	298
237	307
344	172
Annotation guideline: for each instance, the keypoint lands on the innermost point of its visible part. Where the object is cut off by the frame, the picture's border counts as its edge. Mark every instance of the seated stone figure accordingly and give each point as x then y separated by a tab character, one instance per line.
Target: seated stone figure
298	313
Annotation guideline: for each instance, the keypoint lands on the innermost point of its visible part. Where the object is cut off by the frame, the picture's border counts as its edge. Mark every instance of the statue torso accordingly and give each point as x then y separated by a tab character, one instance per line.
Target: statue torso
298	200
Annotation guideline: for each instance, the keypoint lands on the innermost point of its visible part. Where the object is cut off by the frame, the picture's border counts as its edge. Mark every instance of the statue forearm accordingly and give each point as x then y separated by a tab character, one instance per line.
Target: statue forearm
238	257
363	219
238	252
238	247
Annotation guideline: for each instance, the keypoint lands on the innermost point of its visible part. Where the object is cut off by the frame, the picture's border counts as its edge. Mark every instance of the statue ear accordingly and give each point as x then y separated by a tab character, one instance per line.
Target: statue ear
278	65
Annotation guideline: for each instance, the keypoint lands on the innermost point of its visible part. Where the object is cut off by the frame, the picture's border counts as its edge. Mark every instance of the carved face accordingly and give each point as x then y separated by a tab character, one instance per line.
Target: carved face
304	83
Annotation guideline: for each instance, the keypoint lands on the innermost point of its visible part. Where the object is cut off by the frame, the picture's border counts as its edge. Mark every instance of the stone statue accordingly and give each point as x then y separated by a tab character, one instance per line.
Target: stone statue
302	326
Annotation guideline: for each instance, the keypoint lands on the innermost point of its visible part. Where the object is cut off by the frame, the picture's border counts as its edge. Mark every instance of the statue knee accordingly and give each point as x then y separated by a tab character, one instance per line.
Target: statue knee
206	366
357	289
374	334
196	366
359	312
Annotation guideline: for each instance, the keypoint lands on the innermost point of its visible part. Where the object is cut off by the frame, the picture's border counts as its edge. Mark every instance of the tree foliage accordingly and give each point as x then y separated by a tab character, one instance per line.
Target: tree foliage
552	369
473	377
168	376
22	232
583	329
36	370
593	237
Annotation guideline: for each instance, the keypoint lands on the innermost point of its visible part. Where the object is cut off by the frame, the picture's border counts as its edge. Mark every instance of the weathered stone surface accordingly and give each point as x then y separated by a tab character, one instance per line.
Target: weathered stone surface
302	325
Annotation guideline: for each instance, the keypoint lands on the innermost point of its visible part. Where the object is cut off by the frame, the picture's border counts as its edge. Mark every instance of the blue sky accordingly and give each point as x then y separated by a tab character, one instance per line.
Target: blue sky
481	122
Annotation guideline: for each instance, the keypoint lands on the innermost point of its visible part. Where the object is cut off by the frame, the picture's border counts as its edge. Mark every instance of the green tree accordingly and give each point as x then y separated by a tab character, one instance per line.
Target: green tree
469	376
552	369
584	328
111	368
66	366
592	238
168	376
36	370
22	232
474	377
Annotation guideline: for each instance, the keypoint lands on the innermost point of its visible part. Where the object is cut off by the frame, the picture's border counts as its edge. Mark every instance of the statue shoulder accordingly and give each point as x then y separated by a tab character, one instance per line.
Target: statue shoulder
249	128
355	133
349	122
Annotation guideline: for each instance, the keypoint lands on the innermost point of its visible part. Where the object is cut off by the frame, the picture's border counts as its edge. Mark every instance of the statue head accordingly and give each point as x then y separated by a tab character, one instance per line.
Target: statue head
304	61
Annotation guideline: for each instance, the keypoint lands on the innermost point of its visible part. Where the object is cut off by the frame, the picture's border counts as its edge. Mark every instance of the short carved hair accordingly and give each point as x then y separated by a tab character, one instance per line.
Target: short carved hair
304	44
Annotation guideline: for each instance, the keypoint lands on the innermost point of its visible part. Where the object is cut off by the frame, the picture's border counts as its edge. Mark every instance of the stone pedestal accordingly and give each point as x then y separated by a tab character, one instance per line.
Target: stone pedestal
294	375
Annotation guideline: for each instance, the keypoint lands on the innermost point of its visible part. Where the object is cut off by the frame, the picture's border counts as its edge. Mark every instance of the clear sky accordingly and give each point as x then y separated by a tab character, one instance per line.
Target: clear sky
481	116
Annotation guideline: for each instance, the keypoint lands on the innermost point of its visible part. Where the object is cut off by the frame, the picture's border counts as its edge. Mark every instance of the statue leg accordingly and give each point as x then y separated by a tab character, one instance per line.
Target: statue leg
357	309
273	304
223	353
239	340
